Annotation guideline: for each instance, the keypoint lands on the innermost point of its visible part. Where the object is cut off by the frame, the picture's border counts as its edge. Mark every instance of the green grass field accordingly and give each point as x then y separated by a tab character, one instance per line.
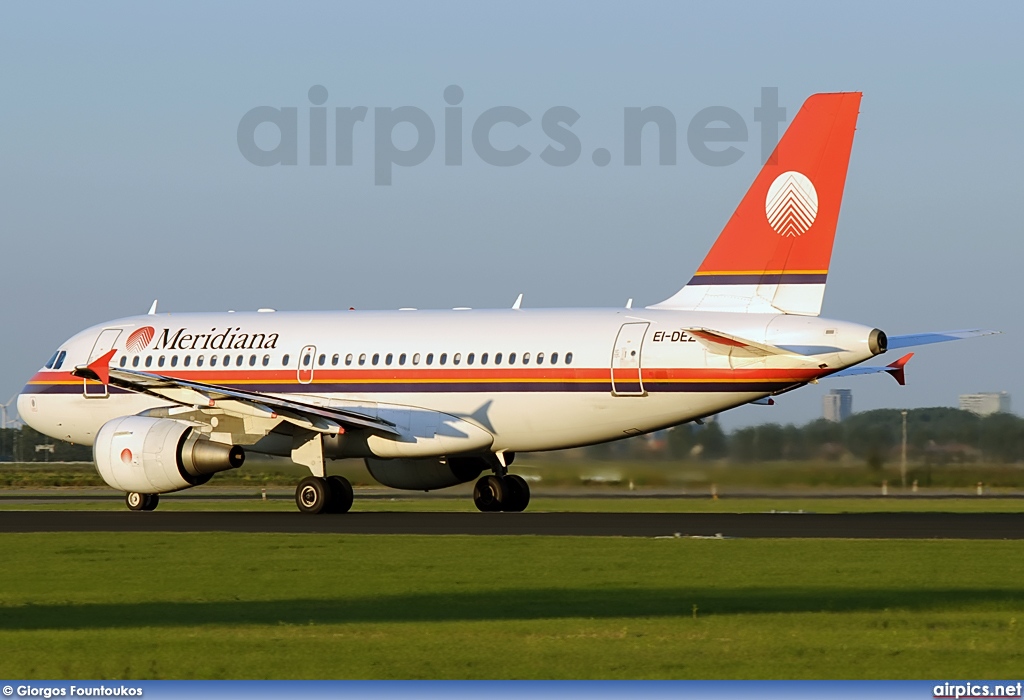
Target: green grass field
215	605
690	475
540	504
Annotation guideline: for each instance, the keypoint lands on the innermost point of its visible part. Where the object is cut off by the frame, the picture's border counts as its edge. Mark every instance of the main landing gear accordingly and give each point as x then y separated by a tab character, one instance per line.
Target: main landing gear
318	495
141	501
509	493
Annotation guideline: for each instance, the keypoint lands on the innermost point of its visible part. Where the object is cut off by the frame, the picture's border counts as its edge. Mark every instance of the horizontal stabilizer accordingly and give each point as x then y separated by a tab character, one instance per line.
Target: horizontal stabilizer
895	369
915	339
724	344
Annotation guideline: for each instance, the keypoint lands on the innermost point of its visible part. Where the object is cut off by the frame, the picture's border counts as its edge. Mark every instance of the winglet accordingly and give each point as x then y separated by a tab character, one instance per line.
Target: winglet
98	369
898	367
152	309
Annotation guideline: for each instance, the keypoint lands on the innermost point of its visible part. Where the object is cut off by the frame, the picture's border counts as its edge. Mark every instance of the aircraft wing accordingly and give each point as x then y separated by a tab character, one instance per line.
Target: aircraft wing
914	339
233	401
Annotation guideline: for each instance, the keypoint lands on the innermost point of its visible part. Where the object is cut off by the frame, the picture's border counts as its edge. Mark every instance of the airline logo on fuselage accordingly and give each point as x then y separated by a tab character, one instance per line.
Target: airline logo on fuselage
216	339
791	204
139	339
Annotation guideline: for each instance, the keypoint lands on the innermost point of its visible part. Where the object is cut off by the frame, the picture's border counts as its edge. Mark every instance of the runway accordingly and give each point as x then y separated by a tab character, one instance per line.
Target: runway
725	525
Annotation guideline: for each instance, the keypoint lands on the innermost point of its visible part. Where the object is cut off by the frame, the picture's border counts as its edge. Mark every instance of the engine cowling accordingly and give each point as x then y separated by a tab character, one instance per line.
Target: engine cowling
158	455
425	474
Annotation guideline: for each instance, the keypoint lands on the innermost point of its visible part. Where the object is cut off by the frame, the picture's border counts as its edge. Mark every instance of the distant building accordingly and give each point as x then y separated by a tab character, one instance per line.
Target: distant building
985	403
837	405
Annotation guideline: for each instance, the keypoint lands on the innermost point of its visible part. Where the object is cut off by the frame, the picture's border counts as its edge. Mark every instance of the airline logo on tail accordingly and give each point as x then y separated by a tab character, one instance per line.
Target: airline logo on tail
767	259
791	204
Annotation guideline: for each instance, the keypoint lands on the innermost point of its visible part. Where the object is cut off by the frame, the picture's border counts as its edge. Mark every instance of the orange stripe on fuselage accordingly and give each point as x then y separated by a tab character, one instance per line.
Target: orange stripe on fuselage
412	376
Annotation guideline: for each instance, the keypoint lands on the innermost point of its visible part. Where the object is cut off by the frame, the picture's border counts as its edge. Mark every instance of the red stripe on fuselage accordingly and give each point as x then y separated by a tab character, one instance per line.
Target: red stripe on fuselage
518	374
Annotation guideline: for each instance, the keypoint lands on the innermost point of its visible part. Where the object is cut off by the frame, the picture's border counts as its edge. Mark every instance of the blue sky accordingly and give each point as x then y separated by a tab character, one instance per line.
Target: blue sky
121	179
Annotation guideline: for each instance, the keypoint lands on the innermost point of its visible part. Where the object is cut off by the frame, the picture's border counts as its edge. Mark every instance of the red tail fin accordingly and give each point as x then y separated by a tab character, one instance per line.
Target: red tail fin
773	254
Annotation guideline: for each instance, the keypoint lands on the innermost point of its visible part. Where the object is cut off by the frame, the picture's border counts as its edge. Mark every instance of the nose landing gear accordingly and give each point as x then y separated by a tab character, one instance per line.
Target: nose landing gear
141	501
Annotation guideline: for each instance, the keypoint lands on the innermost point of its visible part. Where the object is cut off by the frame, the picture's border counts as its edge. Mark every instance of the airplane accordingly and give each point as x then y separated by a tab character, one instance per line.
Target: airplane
435	398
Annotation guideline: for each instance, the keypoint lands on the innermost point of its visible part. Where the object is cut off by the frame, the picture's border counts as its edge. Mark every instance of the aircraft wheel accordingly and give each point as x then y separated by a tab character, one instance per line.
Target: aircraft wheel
312	495
517	494
489	493
340	494
134	501
150	501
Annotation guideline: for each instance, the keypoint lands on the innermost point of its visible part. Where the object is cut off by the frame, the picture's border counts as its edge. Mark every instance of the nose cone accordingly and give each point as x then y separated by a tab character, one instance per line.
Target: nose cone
28	410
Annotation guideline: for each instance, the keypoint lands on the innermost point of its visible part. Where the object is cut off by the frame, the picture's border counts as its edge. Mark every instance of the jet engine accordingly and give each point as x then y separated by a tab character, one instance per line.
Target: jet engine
425	474
157	455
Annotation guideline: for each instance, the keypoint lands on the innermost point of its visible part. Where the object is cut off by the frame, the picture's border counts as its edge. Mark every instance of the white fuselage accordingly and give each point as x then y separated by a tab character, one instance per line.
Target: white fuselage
534	379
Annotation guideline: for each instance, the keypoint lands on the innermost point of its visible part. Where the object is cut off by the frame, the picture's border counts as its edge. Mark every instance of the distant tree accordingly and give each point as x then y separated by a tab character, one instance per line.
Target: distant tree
713	442
1001	437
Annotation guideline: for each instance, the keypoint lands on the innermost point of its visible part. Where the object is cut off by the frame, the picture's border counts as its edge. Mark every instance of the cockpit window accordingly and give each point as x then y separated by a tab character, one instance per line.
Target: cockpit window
60	359
49	363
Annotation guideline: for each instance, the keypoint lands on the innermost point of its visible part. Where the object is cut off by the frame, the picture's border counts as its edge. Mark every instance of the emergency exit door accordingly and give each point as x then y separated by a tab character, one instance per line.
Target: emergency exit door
307	361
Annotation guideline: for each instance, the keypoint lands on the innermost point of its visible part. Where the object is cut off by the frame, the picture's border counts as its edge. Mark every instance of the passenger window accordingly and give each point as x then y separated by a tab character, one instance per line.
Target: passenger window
444	358
568	358
401	359
149	360
387	360
348	359
199	361
554	358
266	360
376	359
60	359
284	360
174	360
469	358
430	358
483	359
416	359
306	360
335	360
124	360
135	361
323	360
540	358
239	360
511	358
526	358
213	360
457	358
362	358
252	360
160	362
188	360
497	358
